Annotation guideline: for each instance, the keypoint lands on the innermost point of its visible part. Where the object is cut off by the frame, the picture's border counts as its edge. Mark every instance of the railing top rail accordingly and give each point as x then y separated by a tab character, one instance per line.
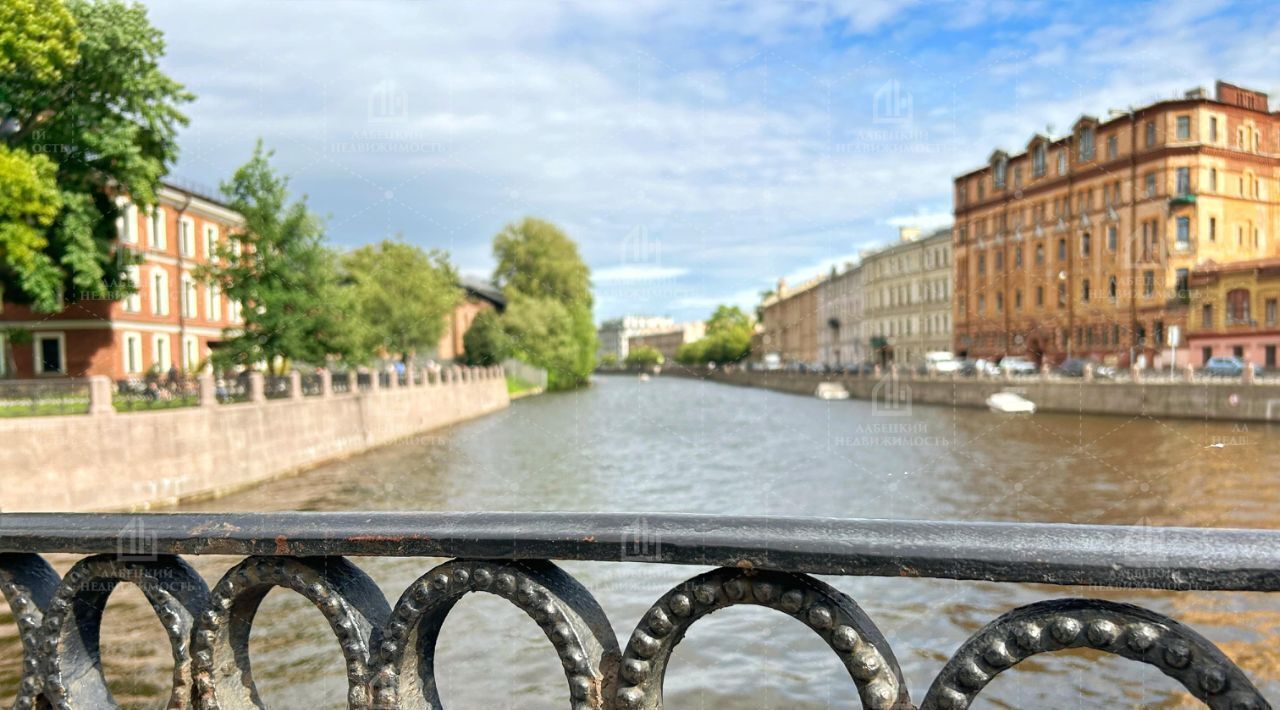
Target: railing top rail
1098	555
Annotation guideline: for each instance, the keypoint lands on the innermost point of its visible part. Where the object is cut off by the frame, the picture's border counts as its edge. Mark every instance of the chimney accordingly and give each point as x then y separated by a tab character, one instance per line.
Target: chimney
782	288
908	234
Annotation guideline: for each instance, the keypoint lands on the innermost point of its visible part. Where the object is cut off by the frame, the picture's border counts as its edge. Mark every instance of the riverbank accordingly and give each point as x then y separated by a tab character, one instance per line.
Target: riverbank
1224	400
129	461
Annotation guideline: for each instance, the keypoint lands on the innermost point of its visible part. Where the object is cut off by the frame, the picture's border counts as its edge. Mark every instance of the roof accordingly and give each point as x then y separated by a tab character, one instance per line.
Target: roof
1213	267
484	290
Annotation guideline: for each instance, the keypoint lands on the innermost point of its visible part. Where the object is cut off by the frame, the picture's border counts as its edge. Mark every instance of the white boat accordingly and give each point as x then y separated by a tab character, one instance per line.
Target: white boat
1010	403
644	377
831	390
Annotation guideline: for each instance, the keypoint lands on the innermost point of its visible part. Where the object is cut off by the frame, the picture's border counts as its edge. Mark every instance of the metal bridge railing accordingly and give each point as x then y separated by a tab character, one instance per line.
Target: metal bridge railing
389	646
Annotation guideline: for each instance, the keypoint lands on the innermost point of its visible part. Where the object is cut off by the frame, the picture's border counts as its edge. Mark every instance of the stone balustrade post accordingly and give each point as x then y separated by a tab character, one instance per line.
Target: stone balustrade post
295	385
1189	372
257	387
393	379
1248	376
353	382
1135	373
208	387
326	384
100	388
1088	372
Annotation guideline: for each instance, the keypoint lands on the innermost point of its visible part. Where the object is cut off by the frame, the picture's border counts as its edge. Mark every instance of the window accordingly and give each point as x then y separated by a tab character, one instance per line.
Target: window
1181	279
210	241
1062	294
233	310
1184	181
1271	311
190	352
1111	238
1184	128
161	356
1039	296
159	292
1238	306
50	353
1184	233
1113	147
1000	171
1062	250
1213	129
1017	257
1062	162
1151	184
982	303
999	302
982	263
1039	254
1084	291
188	297
157	234
1017	299
1111	289
1206	315
1086	143
127	222
133	301
132	353
1213	179
1038	159
187	236
1151	134
1000	260
1148	283
1085	245
1213	229
212	302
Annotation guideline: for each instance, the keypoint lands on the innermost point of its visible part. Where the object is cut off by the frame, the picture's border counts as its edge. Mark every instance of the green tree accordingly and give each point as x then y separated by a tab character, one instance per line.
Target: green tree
644	357
29	203
401	296
284	275
728	339
90	96
540	331
541	265
727	318
486	342
609	361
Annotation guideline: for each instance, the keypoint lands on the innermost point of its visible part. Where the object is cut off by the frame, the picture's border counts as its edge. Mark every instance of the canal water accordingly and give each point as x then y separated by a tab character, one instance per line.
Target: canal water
676	445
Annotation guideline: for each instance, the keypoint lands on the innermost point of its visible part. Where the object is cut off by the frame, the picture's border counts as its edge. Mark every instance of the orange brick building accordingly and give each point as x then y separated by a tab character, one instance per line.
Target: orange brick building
478	297
1083	245
172	319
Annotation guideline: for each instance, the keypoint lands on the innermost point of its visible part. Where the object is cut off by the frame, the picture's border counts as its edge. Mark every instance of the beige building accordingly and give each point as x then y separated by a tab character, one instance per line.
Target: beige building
841	341
669	341
907	297
790	320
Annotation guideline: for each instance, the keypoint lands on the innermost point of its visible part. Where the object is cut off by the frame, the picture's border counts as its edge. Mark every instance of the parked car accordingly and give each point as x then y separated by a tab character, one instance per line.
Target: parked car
973	368
1015	365
941	363
1074	367
1226	367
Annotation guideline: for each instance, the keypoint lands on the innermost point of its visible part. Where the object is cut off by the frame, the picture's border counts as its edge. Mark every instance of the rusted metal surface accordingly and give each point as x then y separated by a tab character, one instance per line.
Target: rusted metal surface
389	650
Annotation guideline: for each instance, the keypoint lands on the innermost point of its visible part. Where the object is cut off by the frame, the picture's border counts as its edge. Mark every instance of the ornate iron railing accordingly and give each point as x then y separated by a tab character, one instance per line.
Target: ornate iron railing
389	649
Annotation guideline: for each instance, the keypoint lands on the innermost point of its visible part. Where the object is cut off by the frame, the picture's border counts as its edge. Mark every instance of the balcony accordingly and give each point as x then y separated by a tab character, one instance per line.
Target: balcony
1182	198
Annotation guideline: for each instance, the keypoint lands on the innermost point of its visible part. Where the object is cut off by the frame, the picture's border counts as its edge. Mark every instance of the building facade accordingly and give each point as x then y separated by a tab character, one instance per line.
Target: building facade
907	298
669	341
615	334
171	320
1083	245
789	317
840	311
1235	310
478	297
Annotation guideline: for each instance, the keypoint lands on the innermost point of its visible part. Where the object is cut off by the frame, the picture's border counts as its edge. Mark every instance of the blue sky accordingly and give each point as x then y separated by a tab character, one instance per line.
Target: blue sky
696	151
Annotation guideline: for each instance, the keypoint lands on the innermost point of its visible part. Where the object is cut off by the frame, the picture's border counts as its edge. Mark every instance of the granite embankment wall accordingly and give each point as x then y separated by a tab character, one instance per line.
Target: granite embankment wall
1208	399
110	461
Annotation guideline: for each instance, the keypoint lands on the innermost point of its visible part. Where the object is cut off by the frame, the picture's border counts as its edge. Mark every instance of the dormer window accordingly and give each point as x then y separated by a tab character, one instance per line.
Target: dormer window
999	172
1039	156
1062	162
1086	143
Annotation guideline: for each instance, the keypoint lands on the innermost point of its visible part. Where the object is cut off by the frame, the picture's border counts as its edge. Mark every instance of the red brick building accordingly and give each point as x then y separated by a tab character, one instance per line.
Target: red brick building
1082	245
172	320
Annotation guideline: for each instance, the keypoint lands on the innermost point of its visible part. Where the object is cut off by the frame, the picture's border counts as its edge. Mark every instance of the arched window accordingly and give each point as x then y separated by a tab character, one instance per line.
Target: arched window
1111	289
1238	306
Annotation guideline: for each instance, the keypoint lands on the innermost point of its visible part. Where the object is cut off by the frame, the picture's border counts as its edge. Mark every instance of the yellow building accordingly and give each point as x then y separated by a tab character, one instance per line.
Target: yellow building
1083	244
907	297
789	317
1234	311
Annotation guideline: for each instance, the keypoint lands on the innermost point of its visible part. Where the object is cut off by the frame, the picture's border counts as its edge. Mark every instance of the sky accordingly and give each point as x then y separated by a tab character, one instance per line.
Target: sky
696	151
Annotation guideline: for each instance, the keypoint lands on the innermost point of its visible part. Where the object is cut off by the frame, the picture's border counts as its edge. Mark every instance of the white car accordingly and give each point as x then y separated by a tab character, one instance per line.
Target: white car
1017	366
942	363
